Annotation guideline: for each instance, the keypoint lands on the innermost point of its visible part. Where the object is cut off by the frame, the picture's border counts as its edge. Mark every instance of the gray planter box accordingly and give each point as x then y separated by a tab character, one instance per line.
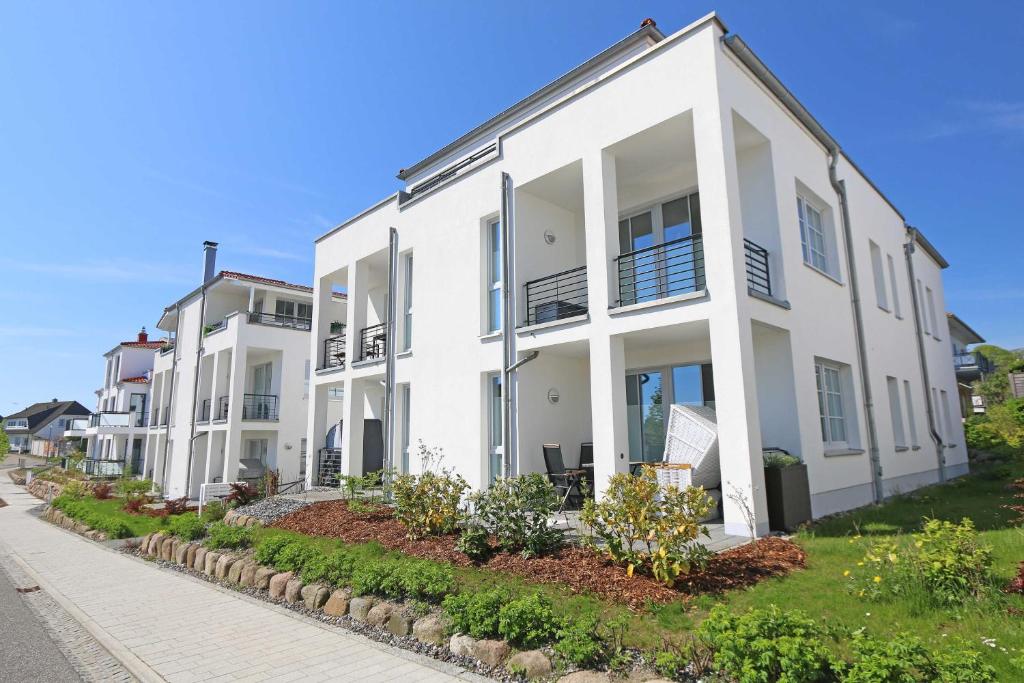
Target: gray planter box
789	497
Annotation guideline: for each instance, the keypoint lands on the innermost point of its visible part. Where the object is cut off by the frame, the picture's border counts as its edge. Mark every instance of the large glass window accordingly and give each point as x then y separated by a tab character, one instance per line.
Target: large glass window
495	435
407	306
881	295
649	395
896	412
287	310
830	405
812	235
669	262
494	268
895	287
406	407
910	413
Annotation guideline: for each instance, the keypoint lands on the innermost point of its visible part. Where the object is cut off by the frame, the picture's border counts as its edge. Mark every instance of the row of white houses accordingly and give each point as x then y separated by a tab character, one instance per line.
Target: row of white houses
664	224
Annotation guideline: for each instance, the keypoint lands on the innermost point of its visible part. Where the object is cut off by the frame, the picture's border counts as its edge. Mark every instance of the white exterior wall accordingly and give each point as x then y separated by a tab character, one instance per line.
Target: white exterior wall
763	354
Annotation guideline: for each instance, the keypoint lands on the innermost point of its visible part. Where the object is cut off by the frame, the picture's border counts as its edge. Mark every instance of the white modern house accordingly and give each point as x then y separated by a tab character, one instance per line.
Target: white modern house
230	389
664	224
44	429
116	431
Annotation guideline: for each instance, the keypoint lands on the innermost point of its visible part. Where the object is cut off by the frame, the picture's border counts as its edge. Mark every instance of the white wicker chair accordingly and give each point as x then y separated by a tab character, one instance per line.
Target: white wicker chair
692	440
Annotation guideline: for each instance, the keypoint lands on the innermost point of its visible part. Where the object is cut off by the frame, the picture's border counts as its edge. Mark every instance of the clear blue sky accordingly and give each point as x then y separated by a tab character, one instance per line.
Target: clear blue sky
130	132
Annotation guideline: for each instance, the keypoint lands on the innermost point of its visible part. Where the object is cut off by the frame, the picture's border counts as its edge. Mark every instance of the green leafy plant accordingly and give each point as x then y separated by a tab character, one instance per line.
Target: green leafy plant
79	509
133	487
294	556
333	568
220	535
578	643
175	506
75	489
102	491
767	645
779	461
528	621
904	657
516	511
475	614
474	542
650	527
268	549
241	494
428	503
403	578
213	511
188	527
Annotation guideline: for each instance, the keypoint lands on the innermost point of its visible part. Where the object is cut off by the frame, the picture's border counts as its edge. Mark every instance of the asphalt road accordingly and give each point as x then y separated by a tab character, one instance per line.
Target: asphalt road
26	651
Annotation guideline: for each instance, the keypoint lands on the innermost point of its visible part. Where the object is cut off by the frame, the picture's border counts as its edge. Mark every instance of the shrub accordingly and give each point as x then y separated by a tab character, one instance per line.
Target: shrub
905	658
268	549
765	645
578	644
644	525
401	578
516	511
474	543
134	504
778	460
74	489
220	535
475	614
428	504
241	494
133	487
175	506
102	491
78	509
294	556
188	527
333	568
213	511
528	621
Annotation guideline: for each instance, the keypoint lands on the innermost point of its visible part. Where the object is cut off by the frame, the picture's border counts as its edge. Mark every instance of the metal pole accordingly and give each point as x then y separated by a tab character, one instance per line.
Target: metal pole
507	342
389	358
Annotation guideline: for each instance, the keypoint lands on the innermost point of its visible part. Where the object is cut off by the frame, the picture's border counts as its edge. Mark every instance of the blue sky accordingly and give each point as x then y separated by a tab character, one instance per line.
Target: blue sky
130	132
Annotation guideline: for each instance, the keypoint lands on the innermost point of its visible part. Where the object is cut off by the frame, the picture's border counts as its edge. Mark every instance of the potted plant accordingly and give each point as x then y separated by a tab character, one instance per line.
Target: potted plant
337	327
787	490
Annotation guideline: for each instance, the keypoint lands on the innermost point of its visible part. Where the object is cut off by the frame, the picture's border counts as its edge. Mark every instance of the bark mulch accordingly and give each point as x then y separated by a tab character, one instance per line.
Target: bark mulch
580	570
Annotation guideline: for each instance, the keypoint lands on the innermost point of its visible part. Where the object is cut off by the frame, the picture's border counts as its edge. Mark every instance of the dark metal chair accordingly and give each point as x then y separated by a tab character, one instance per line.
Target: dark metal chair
587	463
565	481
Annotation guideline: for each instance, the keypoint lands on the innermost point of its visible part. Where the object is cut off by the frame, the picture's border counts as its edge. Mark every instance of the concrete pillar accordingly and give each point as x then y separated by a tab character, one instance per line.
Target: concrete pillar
352	427
355	314
233	437
601	219
316	429
321	319
608	409
732	344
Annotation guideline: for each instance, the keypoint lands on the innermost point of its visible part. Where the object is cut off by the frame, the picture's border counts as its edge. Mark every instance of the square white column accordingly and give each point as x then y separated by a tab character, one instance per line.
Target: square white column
608	409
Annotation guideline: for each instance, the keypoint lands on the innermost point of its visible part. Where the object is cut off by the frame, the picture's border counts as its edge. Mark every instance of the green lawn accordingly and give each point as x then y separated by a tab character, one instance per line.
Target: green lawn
140	525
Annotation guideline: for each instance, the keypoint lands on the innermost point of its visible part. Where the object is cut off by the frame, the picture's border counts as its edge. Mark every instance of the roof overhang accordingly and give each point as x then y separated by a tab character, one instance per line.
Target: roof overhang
969	335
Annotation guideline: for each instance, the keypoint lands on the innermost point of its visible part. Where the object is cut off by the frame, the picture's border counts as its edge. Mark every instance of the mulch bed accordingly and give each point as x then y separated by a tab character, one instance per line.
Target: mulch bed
579	569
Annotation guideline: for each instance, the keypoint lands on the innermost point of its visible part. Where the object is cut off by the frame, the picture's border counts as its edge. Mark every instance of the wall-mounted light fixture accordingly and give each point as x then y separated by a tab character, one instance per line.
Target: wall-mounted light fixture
549	237
553	396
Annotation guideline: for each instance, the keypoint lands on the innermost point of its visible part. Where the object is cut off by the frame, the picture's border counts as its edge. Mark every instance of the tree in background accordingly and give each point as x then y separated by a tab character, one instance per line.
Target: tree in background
5	445
1001	428
995	388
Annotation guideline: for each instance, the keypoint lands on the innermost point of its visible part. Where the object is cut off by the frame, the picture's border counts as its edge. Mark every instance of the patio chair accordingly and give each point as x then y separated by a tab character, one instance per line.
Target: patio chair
565	481
587	463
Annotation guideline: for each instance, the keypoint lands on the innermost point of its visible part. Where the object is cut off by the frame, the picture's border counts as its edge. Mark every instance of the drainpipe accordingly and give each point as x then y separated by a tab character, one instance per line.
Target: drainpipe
908	250
170	393
874	457
389	358
195	388
507	341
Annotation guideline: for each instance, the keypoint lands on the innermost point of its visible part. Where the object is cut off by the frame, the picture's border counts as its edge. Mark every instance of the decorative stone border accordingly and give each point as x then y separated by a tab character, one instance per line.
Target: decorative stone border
232	518
241	571
55	516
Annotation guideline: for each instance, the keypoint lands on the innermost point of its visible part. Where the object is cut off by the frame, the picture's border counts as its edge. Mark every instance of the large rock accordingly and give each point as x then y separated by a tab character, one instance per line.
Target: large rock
461	645
359	608
315	595
190	555
400	623
167	549
278	584
235	572
210	563
181	552
263	577
293	591
585	677
429	629
143	545
490	652
199	562
380	613
224	564
154	544
247	577
533	663
337	604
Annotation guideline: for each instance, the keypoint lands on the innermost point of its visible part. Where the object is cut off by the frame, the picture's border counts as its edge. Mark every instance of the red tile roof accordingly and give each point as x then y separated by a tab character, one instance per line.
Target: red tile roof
144	345
263	280
136	380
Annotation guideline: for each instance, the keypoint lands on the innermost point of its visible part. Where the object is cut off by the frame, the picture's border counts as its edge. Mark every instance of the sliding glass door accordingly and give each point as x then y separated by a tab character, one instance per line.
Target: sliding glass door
647	410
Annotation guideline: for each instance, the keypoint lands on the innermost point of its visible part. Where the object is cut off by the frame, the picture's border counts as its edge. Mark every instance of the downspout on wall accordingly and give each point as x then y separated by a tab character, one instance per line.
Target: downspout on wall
170	394
507	332
195	390
909	247
389	358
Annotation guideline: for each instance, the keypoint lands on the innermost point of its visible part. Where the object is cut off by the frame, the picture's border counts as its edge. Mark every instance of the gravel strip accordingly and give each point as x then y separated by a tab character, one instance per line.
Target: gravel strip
271	509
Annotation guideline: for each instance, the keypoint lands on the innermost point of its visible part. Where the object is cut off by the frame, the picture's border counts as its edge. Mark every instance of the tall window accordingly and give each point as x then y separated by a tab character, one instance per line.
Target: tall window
302	458
812	235
292	309
895	288
495	436
896	412
947	419
921	308
910	413
256	449
830	405
406	407
881	297
494	267
931	312
407	306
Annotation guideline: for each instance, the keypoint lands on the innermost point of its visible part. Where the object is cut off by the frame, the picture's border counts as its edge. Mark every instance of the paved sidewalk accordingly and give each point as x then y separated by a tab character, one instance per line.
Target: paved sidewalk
165	625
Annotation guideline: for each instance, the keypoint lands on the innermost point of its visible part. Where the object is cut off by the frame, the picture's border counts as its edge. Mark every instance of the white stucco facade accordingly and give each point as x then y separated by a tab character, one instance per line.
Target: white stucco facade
653	174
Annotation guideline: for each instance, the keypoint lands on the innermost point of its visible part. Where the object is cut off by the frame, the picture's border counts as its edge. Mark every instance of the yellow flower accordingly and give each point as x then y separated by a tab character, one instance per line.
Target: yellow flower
846	573
878	579
860	564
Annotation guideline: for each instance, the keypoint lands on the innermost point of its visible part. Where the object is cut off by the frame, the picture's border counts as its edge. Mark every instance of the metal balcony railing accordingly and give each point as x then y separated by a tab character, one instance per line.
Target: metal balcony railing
328	470
971	359
373	341
558	296
165	416
758	275
277	320
259	407
141	418
334	351
102	468
204	411
222	408
660	271
109	418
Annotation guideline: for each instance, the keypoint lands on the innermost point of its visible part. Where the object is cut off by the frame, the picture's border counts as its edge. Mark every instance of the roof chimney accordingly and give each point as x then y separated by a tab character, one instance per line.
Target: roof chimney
209	260
648	22
143	337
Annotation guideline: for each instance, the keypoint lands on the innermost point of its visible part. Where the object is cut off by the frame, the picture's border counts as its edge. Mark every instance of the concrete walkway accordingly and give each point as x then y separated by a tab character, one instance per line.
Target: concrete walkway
162	625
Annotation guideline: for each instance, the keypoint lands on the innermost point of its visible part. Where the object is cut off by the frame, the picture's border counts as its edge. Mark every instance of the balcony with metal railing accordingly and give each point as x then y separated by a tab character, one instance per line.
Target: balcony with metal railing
259	407
334	351
222	409
373	342
111	418
758	273
277	320
664	270
203	414
556	297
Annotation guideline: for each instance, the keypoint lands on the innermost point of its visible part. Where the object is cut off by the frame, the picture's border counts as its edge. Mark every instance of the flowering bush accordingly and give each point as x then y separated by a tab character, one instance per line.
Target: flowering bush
646	526
516	511
428	503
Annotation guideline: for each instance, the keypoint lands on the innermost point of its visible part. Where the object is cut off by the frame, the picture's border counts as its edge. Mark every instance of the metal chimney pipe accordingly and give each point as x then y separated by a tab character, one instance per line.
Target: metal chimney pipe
209	260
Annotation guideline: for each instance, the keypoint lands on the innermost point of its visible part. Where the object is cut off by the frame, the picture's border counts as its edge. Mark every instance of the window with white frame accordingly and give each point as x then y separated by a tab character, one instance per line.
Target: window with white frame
495	434
947	418
302	458
256	449
935	408
910	413
931	312
407	304
830	405
812	235
494	269
405	435
897	311
17	423
921	307
896	412
881	296
287	310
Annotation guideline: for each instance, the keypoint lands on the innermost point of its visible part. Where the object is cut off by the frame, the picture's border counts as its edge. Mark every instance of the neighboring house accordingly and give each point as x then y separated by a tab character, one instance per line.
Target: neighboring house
230	390
41	429
117	430
656	226
970	366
